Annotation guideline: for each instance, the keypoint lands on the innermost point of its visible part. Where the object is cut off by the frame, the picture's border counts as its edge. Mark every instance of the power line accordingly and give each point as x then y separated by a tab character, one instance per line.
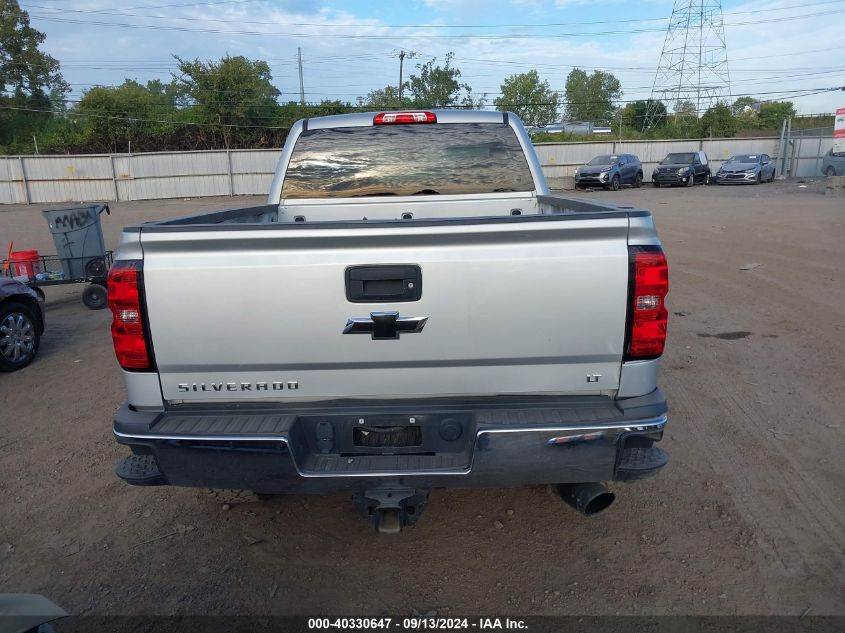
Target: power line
492	93
380	56
751	80
279	127
124	13
167	66
158	6
124	117
139	119
377	57
517	36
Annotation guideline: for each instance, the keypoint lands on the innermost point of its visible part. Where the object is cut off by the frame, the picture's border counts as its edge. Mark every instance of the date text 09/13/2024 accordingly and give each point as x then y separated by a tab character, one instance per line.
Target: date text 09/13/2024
416	624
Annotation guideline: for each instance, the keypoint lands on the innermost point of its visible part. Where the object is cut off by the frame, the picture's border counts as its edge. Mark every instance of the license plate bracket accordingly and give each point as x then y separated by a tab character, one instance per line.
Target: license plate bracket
387	436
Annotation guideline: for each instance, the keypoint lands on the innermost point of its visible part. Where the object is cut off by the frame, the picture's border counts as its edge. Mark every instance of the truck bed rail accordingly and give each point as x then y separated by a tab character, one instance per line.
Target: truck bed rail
265	217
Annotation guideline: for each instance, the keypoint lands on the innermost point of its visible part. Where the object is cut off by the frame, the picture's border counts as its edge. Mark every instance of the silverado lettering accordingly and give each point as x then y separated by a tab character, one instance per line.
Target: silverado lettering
234	386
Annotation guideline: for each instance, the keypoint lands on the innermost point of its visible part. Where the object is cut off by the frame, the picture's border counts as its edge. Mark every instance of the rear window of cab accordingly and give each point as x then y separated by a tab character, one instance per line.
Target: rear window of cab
407	160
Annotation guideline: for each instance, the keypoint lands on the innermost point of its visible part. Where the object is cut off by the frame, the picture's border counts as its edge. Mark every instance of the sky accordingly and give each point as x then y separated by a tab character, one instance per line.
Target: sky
779	49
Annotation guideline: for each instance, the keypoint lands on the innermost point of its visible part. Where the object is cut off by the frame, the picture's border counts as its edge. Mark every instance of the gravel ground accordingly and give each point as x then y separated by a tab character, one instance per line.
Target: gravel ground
748	518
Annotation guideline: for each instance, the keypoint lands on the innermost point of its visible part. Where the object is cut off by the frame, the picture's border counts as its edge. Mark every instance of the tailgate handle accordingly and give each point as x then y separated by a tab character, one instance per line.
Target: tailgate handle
383	283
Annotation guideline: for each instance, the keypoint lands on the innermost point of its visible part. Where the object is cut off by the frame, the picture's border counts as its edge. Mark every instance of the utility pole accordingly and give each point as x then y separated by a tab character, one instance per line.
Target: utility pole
790	149
402	56
782	151
301	86
401	62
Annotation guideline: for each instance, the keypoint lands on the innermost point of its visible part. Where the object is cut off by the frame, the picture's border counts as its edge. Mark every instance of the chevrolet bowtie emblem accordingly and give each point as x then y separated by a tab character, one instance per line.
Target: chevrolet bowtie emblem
385	325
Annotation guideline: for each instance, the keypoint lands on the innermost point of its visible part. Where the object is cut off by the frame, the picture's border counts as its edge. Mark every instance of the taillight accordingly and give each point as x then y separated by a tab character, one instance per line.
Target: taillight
127	328
647	314
388	118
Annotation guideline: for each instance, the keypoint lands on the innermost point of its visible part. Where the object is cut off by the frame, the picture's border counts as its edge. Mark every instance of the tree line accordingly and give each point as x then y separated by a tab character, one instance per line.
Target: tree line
233	103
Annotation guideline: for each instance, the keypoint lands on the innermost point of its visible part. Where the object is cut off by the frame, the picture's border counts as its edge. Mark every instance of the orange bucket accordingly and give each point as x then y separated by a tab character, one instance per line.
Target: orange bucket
25	264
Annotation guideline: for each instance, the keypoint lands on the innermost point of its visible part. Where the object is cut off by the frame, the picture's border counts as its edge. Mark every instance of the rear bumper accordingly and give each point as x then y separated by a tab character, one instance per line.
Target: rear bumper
499	443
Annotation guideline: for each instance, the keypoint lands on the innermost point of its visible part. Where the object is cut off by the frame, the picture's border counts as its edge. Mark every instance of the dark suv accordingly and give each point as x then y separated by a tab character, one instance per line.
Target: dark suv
610	171
682	168
21	323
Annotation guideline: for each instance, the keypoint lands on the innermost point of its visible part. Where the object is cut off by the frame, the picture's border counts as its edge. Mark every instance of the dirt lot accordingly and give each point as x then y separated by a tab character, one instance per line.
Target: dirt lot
749	517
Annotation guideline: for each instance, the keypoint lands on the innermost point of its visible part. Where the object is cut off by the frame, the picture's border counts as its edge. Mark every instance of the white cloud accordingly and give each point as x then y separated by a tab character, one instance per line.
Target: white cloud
561	4
339	67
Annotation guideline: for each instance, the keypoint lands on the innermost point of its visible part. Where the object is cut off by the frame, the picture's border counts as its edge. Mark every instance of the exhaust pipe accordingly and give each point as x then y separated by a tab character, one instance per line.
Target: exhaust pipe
588	499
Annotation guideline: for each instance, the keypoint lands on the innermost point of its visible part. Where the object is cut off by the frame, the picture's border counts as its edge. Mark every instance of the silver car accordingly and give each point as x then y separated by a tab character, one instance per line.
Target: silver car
833	164
746	169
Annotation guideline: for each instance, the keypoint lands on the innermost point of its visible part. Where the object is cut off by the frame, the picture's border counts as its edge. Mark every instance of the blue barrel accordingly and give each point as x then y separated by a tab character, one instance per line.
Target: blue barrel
78	236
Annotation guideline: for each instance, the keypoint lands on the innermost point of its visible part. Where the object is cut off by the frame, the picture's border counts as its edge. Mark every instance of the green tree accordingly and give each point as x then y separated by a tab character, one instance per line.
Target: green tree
291	112
745	111
234	93
591	97
386	98
635	114
718	121
772	114
165	93
25	71
112	117
439	86
470	101
530	99
685	108
743	105
683	122
30	80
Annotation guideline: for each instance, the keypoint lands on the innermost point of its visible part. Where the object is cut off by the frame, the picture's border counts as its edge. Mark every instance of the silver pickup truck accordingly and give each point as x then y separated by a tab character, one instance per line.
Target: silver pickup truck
411	310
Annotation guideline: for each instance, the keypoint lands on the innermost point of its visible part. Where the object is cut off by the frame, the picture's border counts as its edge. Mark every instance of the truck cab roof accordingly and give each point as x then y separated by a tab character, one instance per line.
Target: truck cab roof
363	119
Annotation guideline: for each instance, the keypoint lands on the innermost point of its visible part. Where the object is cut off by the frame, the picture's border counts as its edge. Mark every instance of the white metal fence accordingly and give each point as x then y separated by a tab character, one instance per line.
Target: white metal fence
107	177
47	179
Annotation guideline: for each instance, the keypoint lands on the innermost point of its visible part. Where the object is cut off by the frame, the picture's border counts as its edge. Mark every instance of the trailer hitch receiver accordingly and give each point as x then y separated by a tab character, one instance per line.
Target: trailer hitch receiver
390	508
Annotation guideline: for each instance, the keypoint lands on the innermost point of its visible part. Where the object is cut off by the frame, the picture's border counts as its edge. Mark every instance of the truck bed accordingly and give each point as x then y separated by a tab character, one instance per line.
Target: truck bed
269	214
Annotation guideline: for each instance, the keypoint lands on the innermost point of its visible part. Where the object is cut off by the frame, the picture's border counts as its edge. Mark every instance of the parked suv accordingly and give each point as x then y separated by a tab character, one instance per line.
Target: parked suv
610	171
682	168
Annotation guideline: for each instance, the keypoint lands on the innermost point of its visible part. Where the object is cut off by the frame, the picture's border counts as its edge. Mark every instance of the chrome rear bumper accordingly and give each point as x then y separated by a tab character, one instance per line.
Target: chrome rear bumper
462	444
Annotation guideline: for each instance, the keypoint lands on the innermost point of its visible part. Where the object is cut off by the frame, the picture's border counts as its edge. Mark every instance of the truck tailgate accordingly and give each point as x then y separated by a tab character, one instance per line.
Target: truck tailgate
523	305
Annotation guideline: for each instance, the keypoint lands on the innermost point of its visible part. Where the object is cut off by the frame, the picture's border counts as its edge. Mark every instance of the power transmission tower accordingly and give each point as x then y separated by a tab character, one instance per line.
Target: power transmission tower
693	67
301	85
